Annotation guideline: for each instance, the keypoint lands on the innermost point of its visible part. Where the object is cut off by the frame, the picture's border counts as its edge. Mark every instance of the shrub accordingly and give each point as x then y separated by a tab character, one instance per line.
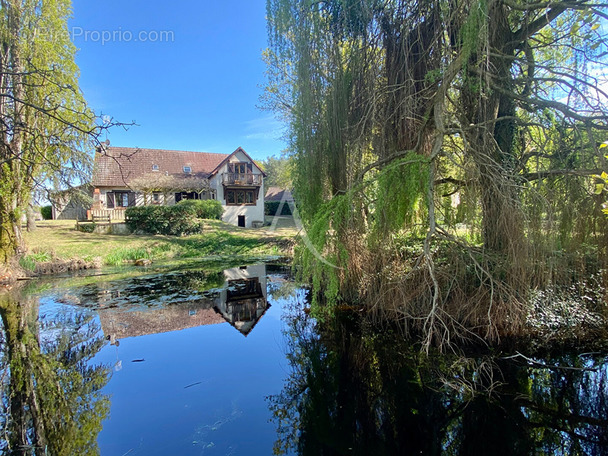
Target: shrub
173	220
46	212
29	261
271	208
86	227
204	209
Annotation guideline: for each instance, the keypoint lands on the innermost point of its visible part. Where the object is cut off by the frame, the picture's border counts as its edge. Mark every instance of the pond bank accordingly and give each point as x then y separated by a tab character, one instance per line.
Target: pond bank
56	247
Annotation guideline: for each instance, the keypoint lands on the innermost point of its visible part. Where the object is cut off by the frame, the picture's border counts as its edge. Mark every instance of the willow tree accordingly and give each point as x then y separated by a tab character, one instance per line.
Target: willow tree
45	124
439	147
51	398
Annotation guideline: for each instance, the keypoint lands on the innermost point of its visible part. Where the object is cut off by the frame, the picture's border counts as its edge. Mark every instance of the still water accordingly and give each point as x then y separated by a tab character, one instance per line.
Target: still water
218	360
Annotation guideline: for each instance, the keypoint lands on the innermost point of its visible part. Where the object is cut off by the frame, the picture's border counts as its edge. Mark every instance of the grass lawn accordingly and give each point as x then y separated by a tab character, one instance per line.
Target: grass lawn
58	239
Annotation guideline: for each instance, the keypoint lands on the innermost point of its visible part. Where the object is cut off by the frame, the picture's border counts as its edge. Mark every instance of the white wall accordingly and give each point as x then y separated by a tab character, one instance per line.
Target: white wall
231	213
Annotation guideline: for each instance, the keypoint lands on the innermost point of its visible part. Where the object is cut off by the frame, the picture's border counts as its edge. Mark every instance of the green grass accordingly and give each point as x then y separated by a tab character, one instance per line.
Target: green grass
59	239
29	261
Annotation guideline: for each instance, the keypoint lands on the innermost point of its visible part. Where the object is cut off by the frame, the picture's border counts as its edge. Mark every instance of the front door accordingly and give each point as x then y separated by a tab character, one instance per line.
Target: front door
241	221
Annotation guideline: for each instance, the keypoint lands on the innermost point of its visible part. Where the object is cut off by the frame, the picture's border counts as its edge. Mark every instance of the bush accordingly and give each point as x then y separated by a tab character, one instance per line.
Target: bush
204	209
173	220
46	212
271	208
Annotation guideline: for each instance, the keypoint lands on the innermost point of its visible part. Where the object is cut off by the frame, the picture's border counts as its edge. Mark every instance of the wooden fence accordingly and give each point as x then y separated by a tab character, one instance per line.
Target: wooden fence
114	214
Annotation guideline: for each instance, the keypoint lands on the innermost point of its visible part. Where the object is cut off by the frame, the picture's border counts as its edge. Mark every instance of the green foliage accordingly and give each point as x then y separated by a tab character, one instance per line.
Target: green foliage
47	128
466	122
474	30
279	171
324	262
122	255
46	212
271	208
54	387
204	209
400	187
87	227
172	220
29	261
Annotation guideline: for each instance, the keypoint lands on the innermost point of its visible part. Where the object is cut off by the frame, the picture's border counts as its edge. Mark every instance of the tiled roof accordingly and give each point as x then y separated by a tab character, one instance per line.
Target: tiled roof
123	323
117	166
276	194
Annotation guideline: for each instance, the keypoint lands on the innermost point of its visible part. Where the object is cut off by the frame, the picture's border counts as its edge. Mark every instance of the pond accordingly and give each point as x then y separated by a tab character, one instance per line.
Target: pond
224	359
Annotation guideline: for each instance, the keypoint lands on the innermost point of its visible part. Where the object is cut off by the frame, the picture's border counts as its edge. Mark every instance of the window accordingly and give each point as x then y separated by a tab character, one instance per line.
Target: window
239	168
186	196
187	169
237	197
156	198
154	167
120	199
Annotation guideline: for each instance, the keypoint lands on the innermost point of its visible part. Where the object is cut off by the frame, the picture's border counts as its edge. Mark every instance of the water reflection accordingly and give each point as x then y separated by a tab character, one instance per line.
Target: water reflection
169	302
350	389
243	301
51	400
354	391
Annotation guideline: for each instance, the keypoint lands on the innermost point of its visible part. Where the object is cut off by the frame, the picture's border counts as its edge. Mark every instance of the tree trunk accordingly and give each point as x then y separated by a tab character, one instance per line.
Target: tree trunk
31	218
11	189
491	136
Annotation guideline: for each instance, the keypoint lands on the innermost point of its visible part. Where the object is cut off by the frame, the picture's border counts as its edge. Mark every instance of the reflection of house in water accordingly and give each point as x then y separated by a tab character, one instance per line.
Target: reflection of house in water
241	302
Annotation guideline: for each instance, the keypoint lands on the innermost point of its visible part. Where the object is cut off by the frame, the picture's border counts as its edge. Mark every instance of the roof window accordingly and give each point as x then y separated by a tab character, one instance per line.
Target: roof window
187	169
154	167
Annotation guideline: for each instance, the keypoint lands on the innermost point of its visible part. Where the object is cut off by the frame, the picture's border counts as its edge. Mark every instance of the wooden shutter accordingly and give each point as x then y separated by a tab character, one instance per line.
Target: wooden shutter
131	198
178	197
110	200
249	167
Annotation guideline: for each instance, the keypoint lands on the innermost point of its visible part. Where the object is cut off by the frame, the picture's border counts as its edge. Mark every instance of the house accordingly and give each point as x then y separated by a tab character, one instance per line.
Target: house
241	301
71	204
124	177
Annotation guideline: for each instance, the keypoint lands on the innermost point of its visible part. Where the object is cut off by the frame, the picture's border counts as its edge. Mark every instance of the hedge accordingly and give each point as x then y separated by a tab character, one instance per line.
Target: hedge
271	208
204	209
173	220
46	212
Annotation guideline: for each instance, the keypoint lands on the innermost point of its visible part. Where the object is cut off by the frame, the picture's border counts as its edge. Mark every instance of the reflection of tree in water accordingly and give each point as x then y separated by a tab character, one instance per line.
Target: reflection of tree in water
151	290
351	392
51	396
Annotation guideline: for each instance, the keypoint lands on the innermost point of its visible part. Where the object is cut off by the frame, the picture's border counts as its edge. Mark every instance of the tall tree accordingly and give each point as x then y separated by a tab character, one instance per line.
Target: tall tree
442	149
278	170
51	399
45	124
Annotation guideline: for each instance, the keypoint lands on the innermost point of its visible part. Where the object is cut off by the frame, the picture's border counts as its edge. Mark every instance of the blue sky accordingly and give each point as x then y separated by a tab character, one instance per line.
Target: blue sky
189	73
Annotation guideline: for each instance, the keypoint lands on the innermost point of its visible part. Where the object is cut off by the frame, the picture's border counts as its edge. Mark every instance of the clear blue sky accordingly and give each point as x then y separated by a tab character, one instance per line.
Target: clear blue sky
189	73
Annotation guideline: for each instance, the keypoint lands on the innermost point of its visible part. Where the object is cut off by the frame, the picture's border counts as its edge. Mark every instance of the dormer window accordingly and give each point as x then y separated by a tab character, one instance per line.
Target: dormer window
154	167
187	169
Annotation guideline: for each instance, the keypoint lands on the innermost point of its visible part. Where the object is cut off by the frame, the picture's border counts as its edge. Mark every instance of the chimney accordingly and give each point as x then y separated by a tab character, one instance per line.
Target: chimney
103	147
